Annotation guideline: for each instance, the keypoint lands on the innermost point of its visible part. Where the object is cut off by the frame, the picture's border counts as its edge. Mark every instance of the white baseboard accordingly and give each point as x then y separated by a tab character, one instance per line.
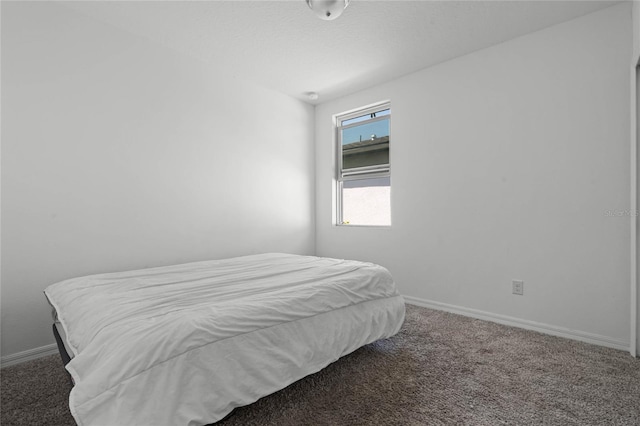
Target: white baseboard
28	355
553	330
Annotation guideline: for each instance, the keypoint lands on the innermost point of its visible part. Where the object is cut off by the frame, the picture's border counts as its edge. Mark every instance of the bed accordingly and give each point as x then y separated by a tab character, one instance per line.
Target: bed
186	344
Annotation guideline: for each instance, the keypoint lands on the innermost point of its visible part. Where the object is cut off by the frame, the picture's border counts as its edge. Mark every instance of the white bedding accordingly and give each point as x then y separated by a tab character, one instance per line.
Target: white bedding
185	344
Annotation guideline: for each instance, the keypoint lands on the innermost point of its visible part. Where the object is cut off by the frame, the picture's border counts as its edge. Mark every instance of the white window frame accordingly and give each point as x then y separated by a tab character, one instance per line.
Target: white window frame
357	173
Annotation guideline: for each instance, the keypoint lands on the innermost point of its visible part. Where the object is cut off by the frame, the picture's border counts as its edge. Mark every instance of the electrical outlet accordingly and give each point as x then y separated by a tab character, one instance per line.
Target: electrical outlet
518	287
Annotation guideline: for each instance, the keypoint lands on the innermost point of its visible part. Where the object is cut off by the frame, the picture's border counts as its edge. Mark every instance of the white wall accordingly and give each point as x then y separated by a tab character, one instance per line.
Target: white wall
635	61
636	30
119	154
504	163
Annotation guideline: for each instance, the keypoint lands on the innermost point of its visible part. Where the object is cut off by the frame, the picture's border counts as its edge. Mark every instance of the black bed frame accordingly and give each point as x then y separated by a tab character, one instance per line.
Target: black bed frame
63	351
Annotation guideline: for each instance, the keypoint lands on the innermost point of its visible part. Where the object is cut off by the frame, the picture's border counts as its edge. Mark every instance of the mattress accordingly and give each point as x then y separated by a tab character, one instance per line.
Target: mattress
186	344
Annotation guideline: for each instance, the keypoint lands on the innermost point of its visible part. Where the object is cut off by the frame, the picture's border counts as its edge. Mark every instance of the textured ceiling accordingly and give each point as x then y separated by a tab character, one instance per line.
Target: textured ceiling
284	46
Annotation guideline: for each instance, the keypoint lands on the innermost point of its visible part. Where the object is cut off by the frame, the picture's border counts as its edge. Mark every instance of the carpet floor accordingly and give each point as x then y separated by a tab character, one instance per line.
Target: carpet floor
440	369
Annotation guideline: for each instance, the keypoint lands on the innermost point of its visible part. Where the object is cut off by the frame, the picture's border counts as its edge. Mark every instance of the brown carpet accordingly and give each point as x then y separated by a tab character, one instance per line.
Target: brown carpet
440	369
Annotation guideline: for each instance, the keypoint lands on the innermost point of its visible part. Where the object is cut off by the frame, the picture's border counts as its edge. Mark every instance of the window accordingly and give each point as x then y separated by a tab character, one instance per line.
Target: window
364	173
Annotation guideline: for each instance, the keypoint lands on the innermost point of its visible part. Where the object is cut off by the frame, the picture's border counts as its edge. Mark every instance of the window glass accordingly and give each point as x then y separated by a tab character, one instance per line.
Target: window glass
367	202
364	173
366	144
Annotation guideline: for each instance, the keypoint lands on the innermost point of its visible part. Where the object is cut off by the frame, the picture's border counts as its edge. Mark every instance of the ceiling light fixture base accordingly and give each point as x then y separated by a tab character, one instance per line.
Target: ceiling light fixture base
328	10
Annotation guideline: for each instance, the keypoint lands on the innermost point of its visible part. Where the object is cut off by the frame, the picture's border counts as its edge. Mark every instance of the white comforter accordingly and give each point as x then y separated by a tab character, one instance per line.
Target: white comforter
185	344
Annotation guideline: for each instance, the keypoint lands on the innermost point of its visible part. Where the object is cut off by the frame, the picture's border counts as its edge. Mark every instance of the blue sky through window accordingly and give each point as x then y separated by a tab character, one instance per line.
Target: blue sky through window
365	131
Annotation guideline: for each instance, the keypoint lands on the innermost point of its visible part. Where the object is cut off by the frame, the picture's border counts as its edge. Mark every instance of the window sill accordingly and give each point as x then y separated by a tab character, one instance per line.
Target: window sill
347	225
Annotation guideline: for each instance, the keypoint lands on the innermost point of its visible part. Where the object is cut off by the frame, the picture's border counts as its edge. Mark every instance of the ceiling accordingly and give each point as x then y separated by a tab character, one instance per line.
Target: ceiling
284	46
